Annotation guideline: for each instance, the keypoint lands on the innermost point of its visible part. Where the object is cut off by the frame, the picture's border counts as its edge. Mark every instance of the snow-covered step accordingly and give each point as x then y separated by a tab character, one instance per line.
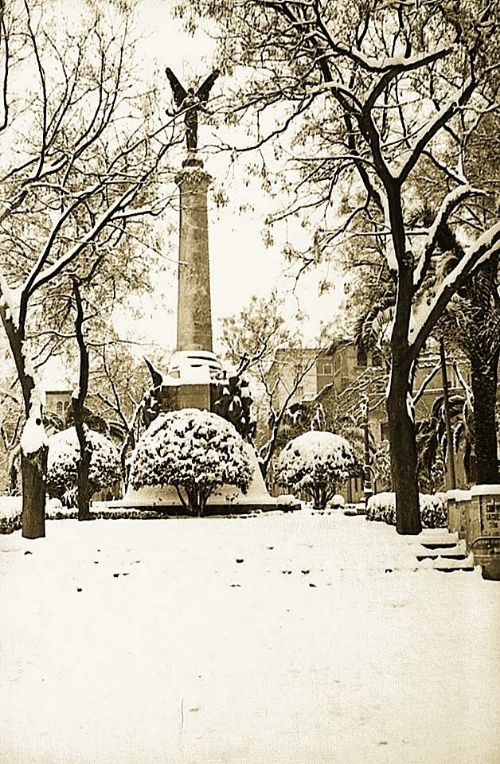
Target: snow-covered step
437	535
448	566
443	551
446	553
438	538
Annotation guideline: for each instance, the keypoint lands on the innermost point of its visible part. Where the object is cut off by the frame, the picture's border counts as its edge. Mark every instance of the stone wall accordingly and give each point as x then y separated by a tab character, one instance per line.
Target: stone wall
475	516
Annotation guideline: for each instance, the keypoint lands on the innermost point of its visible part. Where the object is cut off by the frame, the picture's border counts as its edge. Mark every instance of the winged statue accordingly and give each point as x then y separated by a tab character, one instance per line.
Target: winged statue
190	102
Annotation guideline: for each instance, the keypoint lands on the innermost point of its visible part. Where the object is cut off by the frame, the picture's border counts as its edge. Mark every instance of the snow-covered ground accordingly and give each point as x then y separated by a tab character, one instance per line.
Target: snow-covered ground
276	639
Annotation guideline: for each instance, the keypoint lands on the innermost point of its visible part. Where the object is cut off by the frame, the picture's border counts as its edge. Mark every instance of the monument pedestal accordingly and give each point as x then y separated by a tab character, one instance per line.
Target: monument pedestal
189	383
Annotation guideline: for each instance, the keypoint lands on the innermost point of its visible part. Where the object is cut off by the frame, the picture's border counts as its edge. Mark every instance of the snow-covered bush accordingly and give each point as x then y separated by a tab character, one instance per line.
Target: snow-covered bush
195	451
337	501
382	507
314	463
64	451
11	509
433	510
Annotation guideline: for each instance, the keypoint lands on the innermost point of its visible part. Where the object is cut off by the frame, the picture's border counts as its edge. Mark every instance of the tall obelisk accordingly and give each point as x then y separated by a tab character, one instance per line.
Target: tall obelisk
194	310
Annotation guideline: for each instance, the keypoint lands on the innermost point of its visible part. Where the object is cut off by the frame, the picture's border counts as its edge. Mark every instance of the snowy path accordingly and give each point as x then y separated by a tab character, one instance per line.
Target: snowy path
308	650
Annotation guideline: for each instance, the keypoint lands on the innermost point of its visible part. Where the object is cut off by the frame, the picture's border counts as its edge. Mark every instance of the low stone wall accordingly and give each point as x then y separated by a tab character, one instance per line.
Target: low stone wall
475	516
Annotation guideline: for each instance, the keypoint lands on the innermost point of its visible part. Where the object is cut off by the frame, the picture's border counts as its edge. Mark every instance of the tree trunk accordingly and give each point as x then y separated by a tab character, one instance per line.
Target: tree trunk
33	463
484	378
402	438
78	403
83	468
403	449
34	478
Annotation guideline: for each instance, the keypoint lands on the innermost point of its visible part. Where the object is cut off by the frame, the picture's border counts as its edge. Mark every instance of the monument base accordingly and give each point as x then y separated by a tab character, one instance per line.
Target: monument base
187	385
227	500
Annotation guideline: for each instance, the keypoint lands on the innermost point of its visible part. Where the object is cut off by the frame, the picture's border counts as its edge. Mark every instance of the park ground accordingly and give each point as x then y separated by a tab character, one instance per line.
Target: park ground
282	638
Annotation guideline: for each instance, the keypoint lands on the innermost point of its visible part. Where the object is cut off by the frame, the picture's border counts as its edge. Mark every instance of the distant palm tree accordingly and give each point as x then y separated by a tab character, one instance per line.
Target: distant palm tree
432	440
472	324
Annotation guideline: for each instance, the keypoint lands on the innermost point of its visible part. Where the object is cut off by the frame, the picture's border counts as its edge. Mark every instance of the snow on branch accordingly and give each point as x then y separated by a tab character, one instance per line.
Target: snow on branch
8	301
45	254
369	63
449	203
56	267
388	63
425	316
442	116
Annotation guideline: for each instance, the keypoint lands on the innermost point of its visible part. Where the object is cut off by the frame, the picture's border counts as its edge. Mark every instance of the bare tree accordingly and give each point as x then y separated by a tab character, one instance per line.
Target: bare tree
367	96
266	346
79	160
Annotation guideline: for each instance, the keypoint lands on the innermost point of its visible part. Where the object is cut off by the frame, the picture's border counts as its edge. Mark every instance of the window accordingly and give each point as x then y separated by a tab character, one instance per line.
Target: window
376	358
327	369
361	357
59	407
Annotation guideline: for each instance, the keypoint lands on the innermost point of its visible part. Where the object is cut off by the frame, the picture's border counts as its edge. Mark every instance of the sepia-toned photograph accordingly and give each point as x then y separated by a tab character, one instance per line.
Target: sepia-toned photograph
249	404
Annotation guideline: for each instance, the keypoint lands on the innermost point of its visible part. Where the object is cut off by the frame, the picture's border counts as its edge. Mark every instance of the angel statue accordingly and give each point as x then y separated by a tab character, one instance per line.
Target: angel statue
191	102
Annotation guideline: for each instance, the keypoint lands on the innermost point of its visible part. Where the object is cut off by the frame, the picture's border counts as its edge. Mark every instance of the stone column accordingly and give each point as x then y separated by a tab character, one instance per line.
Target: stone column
194	313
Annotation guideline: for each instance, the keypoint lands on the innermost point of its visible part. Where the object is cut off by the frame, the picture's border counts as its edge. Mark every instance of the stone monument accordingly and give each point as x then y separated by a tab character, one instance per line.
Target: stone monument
195	377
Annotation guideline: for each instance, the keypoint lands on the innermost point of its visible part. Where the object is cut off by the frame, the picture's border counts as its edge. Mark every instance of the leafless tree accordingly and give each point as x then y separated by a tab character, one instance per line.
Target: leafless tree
80	157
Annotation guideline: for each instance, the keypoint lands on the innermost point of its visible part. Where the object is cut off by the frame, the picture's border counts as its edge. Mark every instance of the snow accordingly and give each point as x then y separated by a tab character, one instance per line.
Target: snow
190	447
33	437
382	506
315	456
10	298
64	452
282	637
255	496
485	246
11	508
491	489
450	201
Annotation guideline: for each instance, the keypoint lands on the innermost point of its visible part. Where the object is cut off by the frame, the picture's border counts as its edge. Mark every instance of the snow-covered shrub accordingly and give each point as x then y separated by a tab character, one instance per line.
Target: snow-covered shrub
64	451
10	513
195	451
337	501
11	510
382	507
433	510
314	463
